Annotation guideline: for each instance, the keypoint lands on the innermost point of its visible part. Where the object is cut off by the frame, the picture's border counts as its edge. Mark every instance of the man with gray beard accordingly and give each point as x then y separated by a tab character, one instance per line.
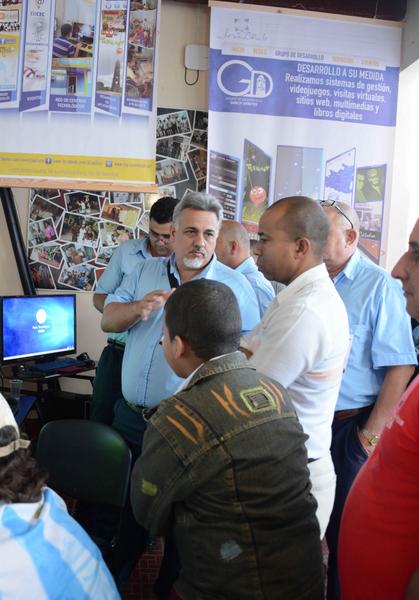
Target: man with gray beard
137	307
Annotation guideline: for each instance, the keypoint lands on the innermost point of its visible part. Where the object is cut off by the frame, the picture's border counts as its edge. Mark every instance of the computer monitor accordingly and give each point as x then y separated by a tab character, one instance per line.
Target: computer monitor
37	327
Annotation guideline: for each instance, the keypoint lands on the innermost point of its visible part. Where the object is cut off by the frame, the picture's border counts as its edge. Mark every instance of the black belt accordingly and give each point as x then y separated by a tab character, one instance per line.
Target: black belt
116	344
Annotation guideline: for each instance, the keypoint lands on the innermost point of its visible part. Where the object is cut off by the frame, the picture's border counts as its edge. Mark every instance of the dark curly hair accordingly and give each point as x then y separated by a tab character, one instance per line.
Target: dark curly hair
21	478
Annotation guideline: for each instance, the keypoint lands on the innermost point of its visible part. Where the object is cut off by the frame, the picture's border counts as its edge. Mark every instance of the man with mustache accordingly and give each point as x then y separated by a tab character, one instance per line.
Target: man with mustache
137	307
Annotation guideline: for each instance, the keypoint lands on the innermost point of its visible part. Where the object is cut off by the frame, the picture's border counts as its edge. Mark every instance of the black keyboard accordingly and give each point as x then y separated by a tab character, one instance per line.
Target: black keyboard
60	363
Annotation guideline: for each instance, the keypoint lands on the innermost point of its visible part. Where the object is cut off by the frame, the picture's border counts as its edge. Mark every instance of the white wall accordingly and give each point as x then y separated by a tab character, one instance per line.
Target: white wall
404	205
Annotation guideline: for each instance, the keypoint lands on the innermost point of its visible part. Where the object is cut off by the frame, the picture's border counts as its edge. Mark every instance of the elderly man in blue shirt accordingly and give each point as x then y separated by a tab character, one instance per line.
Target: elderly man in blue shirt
380	361
107	386
233	250
137	306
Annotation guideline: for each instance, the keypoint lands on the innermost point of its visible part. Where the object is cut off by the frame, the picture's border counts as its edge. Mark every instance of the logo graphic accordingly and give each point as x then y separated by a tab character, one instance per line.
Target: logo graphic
238	78
41	316
240	29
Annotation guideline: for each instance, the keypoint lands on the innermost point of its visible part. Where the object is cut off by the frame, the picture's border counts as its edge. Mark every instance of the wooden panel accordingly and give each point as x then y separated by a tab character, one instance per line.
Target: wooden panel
76	184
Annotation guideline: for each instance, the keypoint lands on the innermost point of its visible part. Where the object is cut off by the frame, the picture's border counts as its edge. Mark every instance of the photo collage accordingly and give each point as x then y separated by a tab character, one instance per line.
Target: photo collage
73	234
181	151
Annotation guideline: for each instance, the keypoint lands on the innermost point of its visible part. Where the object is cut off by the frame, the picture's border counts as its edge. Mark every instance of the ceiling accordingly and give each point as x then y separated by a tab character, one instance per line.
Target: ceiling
393	10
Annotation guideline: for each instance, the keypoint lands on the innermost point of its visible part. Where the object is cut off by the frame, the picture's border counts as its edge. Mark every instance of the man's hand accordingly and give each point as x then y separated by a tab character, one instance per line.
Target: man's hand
151	302
365	443
120	316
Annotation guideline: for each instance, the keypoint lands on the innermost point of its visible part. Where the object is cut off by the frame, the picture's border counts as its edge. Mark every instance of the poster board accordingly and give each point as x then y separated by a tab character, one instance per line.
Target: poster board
72	234
77	93
309	102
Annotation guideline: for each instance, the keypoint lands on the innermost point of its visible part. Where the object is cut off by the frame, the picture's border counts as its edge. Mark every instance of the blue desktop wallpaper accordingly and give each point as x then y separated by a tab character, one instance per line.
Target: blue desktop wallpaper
37	325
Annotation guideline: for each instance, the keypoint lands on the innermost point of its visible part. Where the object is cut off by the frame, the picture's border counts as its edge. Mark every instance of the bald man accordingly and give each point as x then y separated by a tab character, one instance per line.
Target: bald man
379	365
233	249
303	337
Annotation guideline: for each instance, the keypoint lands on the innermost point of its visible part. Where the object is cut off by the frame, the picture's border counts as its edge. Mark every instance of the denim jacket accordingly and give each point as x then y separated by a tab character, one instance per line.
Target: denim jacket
224	467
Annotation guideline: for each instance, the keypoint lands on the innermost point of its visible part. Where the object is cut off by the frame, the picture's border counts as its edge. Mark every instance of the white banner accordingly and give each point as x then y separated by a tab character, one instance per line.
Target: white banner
302	106
78	80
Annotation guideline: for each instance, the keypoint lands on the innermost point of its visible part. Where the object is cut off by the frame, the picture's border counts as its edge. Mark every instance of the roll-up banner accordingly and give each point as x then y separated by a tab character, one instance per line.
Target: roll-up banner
77	94
302	105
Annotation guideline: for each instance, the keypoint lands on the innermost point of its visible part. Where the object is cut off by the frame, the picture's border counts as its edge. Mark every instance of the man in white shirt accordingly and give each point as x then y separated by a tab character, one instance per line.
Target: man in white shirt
303	337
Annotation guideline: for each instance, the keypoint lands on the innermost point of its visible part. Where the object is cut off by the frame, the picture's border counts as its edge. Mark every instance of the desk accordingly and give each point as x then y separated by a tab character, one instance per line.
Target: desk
25	405
48	388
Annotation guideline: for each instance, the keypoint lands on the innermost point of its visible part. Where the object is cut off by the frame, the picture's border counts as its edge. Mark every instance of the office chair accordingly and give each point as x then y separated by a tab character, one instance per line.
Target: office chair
91	463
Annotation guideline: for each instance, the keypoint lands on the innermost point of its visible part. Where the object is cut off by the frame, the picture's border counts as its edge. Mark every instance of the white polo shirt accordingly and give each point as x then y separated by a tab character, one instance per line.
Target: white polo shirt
302	342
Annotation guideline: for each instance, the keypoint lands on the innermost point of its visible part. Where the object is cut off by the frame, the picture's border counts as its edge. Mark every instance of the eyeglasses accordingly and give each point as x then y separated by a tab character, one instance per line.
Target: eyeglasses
164	237
329	203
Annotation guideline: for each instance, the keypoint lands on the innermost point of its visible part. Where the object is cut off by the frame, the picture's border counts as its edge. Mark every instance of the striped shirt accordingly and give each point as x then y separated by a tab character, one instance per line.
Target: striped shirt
62	47
45	554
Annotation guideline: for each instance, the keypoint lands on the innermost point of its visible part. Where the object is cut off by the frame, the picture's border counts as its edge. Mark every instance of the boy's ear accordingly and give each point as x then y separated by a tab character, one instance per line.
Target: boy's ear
179	347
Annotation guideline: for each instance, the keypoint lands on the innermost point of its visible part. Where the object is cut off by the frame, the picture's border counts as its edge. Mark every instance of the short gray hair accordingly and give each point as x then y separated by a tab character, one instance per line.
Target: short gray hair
198	201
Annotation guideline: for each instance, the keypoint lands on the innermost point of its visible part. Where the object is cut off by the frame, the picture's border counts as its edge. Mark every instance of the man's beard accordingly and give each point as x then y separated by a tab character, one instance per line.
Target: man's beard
195	263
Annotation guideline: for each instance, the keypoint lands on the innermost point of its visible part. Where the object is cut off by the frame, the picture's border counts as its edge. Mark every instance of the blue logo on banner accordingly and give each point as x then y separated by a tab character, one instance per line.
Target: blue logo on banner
238	78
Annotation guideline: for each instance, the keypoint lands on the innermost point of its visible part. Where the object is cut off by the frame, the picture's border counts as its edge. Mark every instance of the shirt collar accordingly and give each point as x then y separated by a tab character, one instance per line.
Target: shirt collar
142	247
247	264
215	365
309	276
350	267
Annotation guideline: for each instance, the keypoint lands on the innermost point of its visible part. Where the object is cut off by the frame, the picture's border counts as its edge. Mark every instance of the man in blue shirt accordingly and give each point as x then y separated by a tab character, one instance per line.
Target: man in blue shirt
233	250
137	306
62	47
379	365
107	386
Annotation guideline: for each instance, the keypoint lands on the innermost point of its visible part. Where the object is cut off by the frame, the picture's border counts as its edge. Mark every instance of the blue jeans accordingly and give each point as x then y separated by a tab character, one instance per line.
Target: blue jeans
348	456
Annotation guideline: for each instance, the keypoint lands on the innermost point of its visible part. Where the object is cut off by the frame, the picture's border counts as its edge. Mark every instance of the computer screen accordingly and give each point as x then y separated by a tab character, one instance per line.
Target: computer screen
36	326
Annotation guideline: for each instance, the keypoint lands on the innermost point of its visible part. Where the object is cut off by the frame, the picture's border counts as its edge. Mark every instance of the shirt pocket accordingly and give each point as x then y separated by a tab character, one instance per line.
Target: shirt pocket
360	353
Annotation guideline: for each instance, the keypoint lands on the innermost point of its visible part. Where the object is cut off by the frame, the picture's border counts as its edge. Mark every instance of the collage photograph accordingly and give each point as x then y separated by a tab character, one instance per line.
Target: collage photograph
123	214
76	254
175	146
77	228
112	234
70	229
83	203
48	254
41	231
44	209
80	277
173	123
169	172
182	139
41	276
198	158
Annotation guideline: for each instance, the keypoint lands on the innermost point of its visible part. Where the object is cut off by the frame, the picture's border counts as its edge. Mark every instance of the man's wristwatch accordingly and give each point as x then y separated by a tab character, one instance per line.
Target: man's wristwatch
370	437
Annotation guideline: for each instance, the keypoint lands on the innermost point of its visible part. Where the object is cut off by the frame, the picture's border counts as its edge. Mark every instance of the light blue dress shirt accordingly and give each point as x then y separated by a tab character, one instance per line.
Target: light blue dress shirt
123	261
146	377
379	326
261	286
